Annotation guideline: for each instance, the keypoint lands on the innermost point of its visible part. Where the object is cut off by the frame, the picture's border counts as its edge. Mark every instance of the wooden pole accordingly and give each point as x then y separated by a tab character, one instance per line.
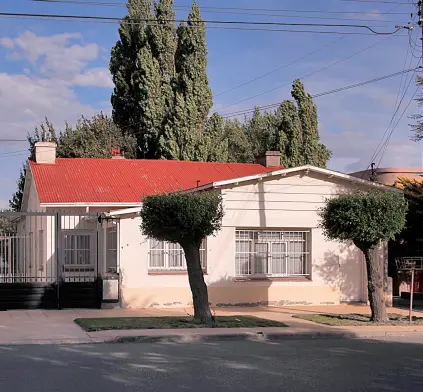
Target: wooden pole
411	295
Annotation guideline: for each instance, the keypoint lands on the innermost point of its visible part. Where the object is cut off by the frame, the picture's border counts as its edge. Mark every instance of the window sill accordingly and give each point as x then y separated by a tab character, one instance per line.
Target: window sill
158	273
271	279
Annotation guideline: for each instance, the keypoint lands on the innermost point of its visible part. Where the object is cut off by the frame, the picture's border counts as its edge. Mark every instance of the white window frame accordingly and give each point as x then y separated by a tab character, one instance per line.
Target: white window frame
91	257
248	265
41	250
111	248
167	249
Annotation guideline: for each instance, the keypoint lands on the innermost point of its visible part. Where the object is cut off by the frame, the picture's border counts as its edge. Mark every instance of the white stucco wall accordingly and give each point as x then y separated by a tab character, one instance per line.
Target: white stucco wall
289	202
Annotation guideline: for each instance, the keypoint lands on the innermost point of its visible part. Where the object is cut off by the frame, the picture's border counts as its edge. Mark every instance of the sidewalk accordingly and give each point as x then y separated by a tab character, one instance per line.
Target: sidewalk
57	327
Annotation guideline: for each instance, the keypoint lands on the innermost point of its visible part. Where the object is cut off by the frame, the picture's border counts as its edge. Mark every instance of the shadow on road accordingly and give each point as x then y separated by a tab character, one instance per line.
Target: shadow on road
294	365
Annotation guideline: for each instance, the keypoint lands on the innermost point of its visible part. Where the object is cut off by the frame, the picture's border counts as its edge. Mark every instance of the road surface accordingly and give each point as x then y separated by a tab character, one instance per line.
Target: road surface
303	365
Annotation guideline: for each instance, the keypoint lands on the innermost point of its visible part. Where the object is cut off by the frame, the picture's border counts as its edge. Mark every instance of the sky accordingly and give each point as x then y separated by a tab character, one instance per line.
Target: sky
59	70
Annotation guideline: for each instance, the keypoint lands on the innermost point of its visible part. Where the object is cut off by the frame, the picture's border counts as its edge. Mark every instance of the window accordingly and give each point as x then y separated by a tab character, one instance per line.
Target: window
165	256
77	249
272	253
111	251
41	250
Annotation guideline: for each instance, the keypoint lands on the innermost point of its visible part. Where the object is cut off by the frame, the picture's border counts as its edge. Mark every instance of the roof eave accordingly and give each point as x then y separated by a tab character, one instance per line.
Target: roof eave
284	172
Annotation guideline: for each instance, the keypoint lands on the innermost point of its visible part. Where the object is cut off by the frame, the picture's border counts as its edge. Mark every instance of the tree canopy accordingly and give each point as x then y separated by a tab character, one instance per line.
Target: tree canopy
161	89
366	219
162	96
186	218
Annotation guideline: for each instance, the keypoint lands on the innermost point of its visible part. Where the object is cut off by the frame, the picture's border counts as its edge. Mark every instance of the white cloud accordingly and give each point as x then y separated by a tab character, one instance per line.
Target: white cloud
94	77
61	56
7	43
25	101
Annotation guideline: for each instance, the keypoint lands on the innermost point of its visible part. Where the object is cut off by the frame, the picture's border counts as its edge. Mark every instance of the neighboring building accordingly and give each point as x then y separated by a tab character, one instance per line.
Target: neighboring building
270	250
389	175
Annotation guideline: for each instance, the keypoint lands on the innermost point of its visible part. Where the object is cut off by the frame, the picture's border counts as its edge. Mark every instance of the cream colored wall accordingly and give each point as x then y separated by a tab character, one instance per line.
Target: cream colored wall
287	203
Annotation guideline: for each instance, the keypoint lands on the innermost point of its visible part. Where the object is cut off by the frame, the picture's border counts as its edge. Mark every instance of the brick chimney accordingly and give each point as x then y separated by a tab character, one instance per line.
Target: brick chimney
270	159
45	152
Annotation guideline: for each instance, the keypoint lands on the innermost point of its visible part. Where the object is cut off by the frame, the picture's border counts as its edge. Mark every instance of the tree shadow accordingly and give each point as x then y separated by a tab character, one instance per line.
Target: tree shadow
345	270
229	292
372	365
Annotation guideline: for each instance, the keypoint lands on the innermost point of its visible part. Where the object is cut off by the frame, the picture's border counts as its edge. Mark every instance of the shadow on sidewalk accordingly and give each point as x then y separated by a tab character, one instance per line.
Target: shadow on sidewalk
400	303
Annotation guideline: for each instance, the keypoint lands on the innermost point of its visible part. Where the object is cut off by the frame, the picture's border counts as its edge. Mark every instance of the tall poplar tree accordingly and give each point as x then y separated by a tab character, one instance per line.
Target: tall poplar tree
313	152
136	98
192	94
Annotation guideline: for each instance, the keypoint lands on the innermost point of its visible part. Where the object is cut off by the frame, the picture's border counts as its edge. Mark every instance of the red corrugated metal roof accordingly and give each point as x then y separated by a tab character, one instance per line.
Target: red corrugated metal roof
84	180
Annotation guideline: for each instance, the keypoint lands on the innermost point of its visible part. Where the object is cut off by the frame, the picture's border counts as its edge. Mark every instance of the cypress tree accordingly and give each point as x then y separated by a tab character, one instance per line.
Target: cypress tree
214	143
192	94
135	75
314	153
289	133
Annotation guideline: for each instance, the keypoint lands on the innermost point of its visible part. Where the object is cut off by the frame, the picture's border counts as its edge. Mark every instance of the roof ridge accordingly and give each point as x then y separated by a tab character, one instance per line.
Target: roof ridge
165	160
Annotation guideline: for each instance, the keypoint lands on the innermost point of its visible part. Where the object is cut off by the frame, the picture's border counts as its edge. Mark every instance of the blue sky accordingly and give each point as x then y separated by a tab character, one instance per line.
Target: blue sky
60	70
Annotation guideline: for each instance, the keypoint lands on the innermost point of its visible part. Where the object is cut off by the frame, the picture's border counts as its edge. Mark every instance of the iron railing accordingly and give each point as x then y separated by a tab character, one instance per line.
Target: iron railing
278	253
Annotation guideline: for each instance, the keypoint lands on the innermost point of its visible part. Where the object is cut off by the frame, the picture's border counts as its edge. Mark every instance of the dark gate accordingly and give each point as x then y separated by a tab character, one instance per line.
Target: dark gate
49	260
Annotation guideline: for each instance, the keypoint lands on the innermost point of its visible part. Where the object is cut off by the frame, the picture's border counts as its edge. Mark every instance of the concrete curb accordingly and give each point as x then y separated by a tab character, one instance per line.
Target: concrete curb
258	337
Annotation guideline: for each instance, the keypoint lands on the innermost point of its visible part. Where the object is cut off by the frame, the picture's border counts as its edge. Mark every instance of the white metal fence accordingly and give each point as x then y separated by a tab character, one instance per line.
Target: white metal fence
279	253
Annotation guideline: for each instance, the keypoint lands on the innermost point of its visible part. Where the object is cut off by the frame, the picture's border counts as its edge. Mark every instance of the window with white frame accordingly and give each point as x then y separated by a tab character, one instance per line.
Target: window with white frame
111	250
279	253
41	250
77	249
165	256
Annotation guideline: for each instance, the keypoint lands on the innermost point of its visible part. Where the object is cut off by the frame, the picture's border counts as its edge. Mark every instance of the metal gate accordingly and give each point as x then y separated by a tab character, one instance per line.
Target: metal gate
50	260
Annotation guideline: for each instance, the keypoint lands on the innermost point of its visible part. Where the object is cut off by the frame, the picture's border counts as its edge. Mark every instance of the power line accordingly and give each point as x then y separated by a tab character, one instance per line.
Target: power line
277	69
234	114
396	109
12	152
13	140
94	3
15	155
386	143
229	22
318	95
376	1
286	65
280	10
206	27
393	129
307	75
62	19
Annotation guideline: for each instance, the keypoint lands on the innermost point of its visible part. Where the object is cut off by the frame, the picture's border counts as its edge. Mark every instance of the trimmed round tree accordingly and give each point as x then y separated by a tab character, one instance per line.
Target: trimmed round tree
186	219
366	219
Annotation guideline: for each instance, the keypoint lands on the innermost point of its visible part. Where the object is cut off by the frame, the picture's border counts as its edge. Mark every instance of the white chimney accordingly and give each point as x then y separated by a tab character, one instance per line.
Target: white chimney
45	152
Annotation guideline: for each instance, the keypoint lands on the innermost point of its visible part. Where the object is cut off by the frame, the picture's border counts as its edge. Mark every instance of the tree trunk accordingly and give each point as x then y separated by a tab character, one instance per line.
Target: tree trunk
200	296
375	289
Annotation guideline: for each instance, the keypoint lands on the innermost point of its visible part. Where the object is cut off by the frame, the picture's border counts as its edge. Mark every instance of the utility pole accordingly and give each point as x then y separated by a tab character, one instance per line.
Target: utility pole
373	173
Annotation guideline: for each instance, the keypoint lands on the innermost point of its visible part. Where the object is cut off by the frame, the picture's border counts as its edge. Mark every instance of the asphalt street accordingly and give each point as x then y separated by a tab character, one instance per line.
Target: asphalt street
296	365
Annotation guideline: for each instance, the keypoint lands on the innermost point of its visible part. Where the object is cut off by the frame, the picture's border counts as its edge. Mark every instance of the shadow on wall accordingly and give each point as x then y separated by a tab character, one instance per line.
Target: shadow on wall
343	269
228	291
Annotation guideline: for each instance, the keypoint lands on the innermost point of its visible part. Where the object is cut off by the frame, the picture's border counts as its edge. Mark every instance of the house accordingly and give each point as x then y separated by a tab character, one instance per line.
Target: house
390	174
270	250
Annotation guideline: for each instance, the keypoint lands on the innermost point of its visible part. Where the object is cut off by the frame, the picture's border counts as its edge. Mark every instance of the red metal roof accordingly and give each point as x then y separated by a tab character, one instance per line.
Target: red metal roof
85	180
